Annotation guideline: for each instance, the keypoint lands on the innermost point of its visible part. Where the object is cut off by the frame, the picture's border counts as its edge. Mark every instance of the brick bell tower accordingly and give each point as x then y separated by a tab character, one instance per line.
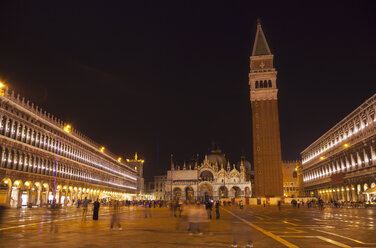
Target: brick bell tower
264	103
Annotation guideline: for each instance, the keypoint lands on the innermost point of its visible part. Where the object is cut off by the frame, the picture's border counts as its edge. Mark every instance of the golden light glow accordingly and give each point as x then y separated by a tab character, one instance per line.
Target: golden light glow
2	85
119	159
65	187
102	149
6	181
37	184
67	128
45	185
322	157
346	145
70	187
27	184
17	183
58	187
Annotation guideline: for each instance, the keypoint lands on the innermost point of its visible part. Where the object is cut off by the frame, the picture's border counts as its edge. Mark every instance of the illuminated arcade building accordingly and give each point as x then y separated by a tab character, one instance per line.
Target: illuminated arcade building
213	179
36	148
341	164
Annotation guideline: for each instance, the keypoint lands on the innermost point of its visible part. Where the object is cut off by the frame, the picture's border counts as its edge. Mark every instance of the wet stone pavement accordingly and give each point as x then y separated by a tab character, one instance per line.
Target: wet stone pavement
266	227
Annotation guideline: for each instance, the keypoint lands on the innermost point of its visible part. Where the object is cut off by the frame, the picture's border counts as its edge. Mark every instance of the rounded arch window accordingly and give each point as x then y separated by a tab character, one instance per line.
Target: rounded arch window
294	174
206	176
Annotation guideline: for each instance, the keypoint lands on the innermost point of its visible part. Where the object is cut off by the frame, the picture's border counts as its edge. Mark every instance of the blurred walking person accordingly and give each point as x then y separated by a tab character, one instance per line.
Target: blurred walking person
54	215
208	207
96	209
217	205
115	220
196	216
85	204
147	209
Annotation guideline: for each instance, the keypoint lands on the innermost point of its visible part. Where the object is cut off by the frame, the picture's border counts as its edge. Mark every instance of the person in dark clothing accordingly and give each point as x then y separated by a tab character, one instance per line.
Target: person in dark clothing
217	205
208	207
96	209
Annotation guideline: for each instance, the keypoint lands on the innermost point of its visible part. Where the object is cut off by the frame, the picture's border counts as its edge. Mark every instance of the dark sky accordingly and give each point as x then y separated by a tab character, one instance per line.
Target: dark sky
162	77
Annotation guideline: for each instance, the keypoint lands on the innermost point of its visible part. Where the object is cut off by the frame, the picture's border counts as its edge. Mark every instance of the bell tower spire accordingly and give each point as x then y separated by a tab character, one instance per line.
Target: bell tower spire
265	121
260	47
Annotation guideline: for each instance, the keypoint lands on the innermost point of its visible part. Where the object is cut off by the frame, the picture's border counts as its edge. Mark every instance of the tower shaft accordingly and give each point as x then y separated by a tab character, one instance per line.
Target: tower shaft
267	158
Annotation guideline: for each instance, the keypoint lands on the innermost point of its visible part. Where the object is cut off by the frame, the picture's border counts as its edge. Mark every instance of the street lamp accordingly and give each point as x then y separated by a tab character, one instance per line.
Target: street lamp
102	149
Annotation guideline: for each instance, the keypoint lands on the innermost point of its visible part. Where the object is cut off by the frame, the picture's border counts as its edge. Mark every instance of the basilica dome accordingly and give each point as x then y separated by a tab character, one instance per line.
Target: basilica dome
216	156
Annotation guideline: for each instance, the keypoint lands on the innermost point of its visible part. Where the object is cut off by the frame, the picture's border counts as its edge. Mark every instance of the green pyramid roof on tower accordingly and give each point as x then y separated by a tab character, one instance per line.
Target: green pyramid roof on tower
260	47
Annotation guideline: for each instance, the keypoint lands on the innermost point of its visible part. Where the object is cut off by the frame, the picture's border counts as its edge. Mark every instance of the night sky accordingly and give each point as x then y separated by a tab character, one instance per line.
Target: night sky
158	77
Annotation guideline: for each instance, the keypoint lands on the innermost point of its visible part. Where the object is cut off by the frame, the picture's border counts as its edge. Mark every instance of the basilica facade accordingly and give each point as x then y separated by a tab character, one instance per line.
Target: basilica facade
213	179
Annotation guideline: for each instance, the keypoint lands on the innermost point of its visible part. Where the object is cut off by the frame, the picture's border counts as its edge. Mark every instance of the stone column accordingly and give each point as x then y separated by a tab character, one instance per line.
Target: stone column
38	197
19	197
29	196
2	158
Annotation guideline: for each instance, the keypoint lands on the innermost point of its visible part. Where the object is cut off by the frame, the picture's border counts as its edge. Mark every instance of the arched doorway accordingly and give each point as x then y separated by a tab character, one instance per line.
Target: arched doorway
5	186
189	193
206	192
223	192
247	192
235	192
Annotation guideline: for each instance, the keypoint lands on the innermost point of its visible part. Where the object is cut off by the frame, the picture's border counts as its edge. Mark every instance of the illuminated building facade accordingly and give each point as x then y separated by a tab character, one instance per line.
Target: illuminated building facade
291	182
341	164
265	123
42	157
213	179
159	188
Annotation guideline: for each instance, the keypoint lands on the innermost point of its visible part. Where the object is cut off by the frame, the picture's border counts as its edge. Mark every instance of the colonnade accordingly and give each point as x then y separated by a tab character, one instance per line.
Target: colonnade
18	193
346	192
354	158
359	121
